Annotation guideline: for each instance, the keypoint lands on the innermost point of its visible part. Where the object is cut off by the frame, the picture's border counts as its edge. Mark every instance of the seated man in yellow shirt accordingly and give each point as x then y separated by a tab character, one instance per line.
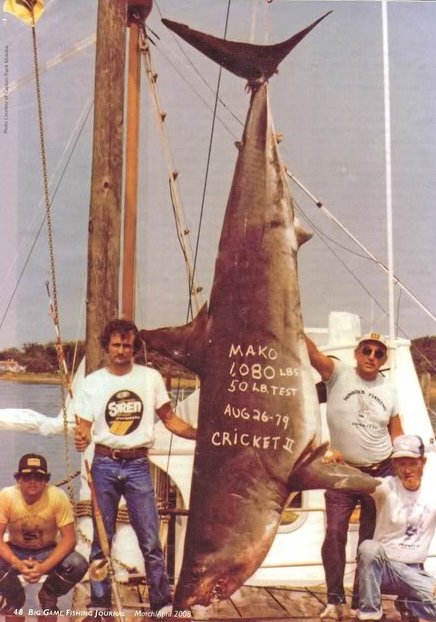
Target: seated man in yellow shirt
39	520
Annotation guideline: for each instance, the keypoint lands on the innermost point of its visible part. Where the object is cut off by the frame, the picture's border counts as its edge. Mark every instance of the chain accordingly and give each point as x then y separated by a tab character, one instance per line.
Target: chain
54	306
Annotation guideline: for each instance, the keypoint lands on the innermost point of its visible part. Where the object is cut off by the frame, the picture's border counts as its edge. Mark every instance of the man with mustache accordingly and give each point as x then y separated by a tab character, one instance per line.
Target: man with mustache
363	418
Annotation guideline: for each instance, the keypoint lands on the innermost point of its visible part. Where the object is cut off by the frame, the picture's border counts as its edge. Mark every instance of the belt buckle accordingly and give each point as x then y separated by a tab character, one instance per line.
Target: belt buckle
116	454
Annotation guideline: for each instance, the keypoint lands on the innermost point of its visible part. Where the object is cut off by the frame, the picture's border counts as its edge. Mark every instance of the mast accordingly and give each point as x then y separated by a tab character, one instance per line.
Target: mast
105	219
106	184
137	14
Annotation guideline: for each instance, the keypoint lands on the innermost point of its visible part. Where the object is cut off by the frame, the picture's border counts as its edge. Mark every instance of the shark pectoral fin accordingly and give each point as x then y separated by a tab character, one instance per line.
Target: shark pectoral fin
317	475
184	344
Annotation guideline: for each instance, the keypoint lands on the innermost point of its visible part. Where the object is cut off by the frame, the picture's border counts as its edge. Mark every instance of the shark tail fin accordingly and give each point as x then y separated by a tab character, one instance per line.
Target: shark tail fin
253	62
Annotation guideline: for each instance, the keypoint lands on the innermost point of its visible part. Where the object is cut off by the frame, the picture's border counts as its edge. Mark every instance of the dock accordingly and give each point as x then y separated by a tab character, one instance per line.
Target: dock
258	604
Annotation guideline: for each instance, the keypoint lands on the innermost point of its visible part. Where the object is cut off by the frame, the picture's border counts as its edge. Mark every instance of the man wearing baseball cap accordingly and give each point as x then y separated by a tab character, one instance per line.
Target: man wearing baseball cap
39	520
363	419
393	561
373	337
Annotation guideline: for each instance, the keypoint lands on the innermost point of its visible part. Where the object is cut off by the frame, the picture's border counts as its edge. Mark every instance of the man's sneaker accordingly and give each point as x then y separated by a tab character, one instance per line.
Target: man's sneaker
332	612
164	612
404	611
381	617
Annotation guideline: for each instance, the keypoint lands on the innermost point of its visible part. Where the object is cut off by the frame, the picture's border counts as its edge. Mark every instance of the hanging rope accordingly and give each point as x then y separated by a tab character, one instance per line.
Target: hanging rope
54	307
181	227
183	235
181	53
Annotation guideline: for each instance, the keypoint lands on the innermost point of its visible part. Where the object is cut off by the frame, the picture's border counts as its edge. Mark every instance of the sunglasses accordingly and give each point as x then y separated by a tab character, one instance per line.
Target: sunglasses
367	351
38	477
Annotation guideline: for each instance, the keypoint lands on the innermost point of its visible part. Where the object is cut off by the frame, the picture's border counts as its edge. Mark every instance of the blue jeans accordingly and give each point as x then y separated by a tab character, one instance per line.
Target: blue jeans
132	480
59	580
379	574
339	506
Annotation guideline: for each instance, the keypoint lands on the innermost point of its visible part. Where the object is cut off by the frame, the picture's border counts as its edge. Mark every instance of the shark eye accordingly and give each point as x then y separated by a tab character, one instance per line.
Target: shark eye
198	571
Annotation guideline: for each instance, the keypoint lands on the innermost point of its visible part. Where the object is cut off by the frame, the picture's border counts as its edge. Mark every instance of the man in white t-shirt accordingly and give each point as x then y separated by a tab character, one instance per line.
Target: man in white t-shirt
116	408
363	418
393	561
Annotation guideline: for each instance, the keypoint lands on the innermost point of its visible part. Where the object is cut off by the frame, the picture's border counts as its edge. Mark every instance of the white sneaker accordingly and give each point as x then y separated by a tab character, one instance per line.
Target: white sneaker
165	611
332	612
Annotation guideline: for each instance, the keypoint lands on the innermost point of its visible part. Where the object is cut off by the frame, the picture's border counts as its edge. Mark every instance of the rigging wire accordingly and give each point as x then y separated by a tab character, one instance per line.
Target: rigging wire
62	167
196	71
203	200
87	41
53	297
329	242
56	60
318	203
190	85
329	214
69	148
326	212
175	199
323	208
182	230
183	53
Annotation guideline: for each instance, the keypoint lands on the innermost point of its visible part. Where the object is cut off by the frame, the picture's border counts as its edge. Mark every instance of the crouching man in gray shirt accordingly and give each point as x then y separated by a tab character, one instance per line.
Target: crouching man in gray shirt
393	561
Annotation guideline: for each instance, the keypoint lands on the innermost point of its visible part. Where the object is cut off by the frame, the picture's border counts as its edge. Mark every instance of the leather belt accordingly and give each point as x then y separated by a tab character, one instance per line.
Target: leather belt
121	454
369	468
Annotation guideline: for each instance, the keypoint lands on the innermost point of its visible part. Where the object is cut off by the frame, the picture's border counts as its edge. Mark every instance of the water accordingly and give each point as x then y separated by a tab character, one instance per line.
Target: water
45	399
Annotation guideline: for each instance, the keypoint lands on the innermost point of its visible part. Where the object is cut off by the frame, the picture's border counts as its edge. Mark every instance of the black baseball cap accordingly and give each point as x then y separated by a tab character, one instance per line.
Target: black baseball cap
32	463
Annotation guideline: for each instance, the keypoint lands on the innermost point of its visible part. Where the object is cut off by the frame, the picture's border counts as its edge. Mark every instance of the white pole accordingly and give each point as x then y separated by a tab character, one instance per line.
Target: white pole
388	169
253	22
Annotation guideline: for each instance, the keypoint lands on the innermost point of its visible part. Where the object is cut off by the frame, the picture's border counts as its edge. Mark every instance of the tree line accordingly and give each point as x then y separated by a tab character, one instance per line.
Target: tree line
40	358
424	355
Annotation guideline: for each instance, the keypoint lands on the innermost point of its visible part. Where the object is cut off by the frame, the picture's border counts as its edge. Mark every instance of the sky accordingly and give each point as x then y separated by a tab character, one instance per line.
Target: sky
327	101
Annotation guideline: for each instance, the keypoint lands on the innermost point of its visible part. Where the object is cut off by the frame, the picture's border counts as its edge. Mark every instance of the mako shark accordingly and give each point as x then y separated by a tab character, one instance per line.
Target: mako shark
259	422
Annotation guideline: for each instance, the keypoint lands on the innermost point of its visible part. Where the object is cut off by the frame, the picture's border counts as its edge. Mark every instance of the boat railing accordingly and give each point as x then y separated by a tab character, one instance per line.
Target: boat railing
178	395
173	513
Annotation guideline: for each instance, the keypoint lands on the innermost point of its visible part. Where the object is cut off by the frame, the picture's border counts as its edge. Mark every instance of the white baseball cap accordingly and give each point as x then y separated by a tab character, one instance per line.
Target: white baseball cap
374	337
407	446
